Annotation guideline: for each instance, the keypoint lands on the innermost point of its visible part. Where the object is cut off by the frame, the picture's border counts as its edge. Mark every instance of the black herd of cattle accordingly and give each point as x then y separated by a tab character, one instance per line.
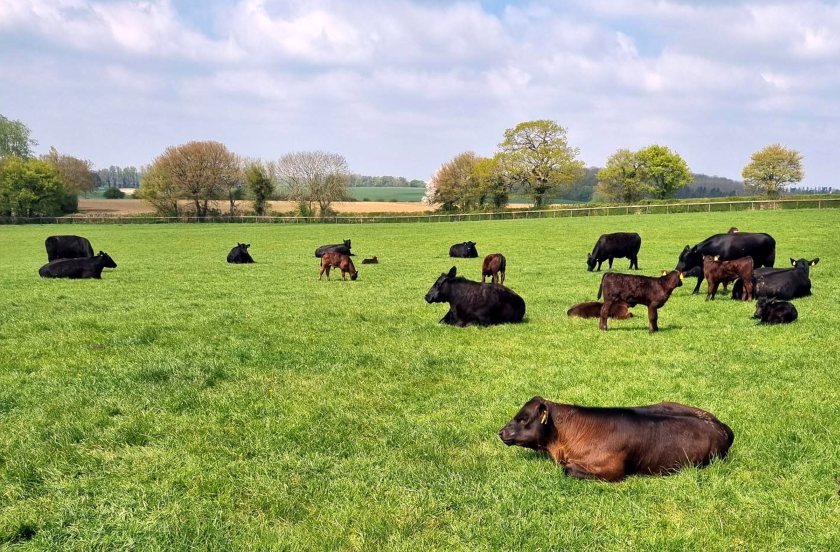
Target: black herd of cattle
589	442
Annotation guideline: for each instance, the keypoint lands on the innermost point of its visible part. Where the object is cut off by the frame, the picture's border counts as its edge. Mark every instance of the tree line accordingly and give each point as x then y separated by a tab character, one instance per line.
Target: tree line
536	159
362	181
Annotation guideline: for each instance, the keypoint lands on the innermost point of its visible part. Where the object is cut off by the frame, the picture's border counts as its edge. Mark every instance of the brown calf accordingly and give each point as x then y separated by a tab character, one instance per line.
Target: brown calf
493	265
333	259
612	443
716	272
592	309
637	290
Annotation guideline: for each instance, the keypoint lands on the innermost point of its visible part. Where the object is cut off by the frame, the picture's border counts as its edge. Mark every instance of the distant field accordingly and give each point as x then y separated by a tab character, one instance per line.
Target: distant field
387	194
182	403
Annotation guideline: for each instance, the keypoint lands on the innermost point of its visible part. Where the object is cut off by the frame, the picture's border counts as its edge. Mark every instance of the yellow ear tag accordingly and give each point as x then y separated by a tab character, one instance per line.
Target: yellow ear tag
544	417
717	258
664	272
682	277
793	263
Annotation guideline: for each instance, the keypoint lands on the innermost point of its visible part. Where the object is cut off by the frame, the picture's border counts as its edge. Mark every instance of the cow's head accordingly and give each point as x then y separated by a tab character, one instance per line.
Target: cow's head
689	259
107	261
532	426
347	243
672	279
591	260
471	250
440	290
762	306
804	264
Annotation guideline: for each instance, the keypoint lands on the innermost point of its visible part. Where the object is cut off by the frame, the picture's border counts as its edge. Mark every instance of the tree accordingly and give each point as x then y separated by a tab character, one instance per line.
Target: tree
198	171
74	173
31	187
537	155
662	170
14	139
311	177
455	184
259	184
772	168
492	181
621	178
159	189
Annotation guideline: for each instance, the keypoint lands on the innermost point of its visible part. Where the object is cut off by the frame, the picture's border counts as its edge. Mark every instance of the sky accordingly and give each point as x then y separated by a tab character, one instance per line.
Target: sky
401	86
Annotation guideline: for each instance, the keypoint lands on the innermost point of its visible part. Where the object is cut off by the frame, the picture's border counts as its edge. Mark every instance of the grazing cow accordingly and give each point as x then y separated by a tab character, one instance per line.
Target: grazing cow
494	265
637	290
370	260
772	311
334	259
464	250
592	309
615	246
761	247
67	247
343	248
239	254
82	267
613	443
781	283
717	271
475	303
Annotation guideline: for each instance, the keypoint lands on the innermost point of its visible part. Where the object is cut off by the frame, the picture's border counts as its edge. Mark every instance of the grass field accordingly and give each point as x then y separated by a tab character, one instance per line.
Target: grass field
387	194
183	403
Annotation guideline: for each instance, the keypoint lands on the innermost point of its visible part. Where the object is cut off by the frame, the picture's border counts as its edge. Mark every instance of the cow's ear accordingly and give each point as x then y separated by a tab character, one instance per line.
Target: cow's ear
452	272
814	261
792	262
544	415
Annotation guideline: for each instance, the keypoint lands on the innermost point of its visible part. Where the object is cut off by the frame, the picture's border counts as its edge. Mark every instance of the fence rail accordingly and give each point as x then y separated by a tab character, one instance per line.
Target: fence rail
699	207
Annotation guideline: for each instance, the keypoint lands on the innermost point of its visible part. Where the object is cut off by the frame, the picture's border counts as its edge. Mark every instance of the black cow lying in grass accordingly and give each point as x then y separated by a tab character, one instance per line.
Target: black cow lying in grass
464	250
84	267
67	247
781	283
239	254
612	443
343	248
771	311
637	290
615	246
475	303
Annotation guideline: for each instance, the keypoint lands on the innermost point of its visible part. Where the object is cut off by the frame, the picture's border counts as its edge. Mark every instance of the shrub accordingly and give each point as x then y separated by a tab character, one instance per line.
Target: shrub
113	193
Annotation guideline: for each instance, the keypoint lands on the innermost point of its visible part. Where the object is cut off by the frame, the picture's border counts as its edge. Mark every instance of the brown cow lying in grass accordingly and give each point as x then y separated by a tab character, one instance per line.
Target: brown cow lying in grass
592	309
493	266
334	259
612	443
637	290
716	272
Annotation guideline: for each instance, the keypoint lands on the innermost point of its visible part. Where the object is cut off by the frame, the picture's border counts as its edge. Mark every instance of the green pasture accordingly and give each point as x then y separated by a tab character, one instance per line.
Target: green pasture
387	194
182	403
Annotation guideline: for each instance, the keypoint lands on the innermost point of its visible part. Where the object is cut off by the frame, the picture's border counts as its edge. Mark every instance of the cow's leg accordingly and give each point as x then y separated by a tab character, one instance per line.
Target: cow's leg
578	472
653	317
609	470
712	290
503	277
343	275
605	312
748	289
321	272
448	318
599	265
483	278
697	287
611	260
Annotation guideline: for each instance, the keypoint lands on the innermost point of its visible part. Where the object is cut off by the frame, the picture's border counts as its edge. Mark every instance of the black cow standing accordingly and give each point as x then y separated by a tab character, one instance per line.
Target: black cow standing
728	247
615	246
67	247
771	311
239	254
83	267
781	283
464	250
475	303
343	248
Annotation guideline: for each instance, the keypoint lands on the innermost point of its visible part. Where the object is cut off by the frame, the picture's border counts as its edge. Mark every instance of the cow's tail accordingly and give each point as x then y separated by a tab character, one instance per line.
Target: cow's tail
503	264
601	287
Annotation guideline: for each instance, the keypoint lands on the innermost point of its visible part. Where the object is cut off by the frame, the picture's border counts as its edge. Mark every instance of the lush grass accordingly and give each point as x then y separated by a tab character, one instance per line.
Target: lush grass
387	194
185	403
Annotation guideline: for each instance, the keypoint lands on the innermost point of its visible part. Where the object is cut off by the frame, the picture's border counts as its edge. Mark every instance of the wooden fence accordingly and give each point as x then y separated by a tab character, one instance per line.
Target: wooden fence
699	207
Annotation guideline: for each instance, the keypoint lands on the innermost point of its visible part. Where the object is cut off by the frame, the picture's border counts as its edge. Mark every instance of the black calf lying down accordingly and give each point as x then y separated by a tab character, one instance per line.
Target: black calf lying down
240	255
772	311
612	443
475	303
83	267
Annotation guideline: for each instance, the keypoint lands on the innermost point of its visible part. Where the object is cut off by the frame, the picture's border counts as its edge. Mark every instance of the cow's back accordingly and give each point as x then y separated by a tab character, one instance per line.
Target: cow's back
760	246
67	247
